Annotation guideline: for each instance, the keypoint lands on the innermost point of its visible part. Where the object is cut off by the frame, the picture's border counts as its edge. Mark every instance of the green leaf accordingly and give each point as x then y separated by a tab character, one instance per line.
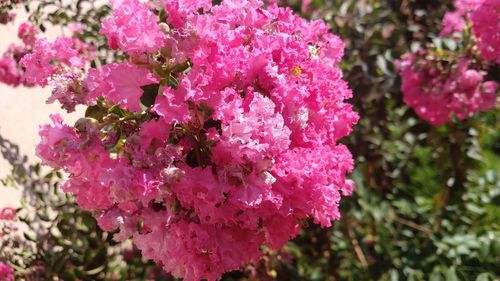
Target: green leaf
30	236
94	271
36	169
95	112
148	98
172	81
116	109
451	274
485	276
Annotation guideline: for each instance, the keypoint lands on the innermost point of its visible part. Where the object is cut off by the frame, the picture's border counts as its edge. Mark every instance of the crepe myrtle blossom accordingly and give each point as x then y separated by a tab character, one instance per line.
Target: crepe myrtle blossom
49	58
8	213
453	23
486	28
219	135
27	33
40	62
11	72
440	85
483	16
438	93
6	272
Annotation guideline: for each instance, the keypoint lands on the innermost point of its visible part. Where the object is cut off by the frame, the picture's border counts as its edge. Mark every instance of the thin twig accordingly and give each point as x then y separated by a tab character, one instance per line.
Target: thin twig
413	225
355	244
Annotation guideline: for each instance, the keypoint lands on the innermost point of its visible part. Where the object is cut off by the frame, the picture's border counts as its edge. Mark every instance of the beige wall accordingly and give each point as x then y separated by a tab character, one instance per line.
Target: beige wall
22	111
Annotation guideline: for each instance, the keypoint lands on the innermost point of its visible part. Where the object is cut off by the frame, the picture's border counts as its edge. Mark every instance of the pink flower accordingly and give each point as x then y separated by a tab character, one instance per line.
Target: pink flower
436	97
465	6
453	22
171	107
37	65
76	28
27	33
57	141
132	27
8	214
46	59
67	89
6	272
9	73
253	132
64	147
306	6
179	10
315	187
486	27
120	83
200	250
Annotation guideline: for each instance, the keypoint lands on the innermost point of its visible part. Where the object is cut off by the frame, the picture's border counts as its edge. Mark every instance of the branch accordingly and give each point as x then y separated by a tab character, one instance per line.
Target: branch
355	244
413	225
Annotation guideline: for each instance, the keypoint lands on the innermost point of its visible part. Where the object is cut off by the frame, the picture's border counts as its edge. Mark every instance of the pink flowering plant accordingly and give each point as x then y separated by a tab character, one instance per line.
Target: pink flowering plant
217	135
38	62
10	243
449	78
440	86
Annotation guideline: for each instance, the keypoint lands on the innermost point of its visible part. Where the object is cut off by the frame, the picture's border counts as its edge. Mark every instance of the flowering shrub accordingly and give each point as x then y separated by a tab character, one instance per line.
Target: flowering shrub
425	206
440	84
218	135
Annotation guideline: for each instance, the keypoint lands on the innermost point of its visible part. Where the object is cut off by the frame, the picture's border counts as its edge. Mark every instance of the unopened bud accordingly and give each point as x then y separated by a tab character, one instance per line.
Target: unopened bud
83	123
172	174
268	178
164	27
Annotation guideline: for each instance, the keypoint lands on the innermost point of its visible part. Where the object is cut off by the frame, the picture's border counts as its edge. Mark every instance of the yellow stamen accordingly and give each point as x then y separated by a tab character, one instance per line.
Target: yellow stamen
296	71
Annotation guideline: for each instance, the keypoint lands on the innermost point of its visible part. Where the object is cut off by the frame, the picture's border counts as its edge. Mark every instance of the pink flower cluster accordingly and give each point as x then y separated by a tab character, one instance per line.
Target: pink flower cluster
238	145
484	15
11	72
8	213
39	62
454	22
6	272
133	27
437	94
486	28
440	85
